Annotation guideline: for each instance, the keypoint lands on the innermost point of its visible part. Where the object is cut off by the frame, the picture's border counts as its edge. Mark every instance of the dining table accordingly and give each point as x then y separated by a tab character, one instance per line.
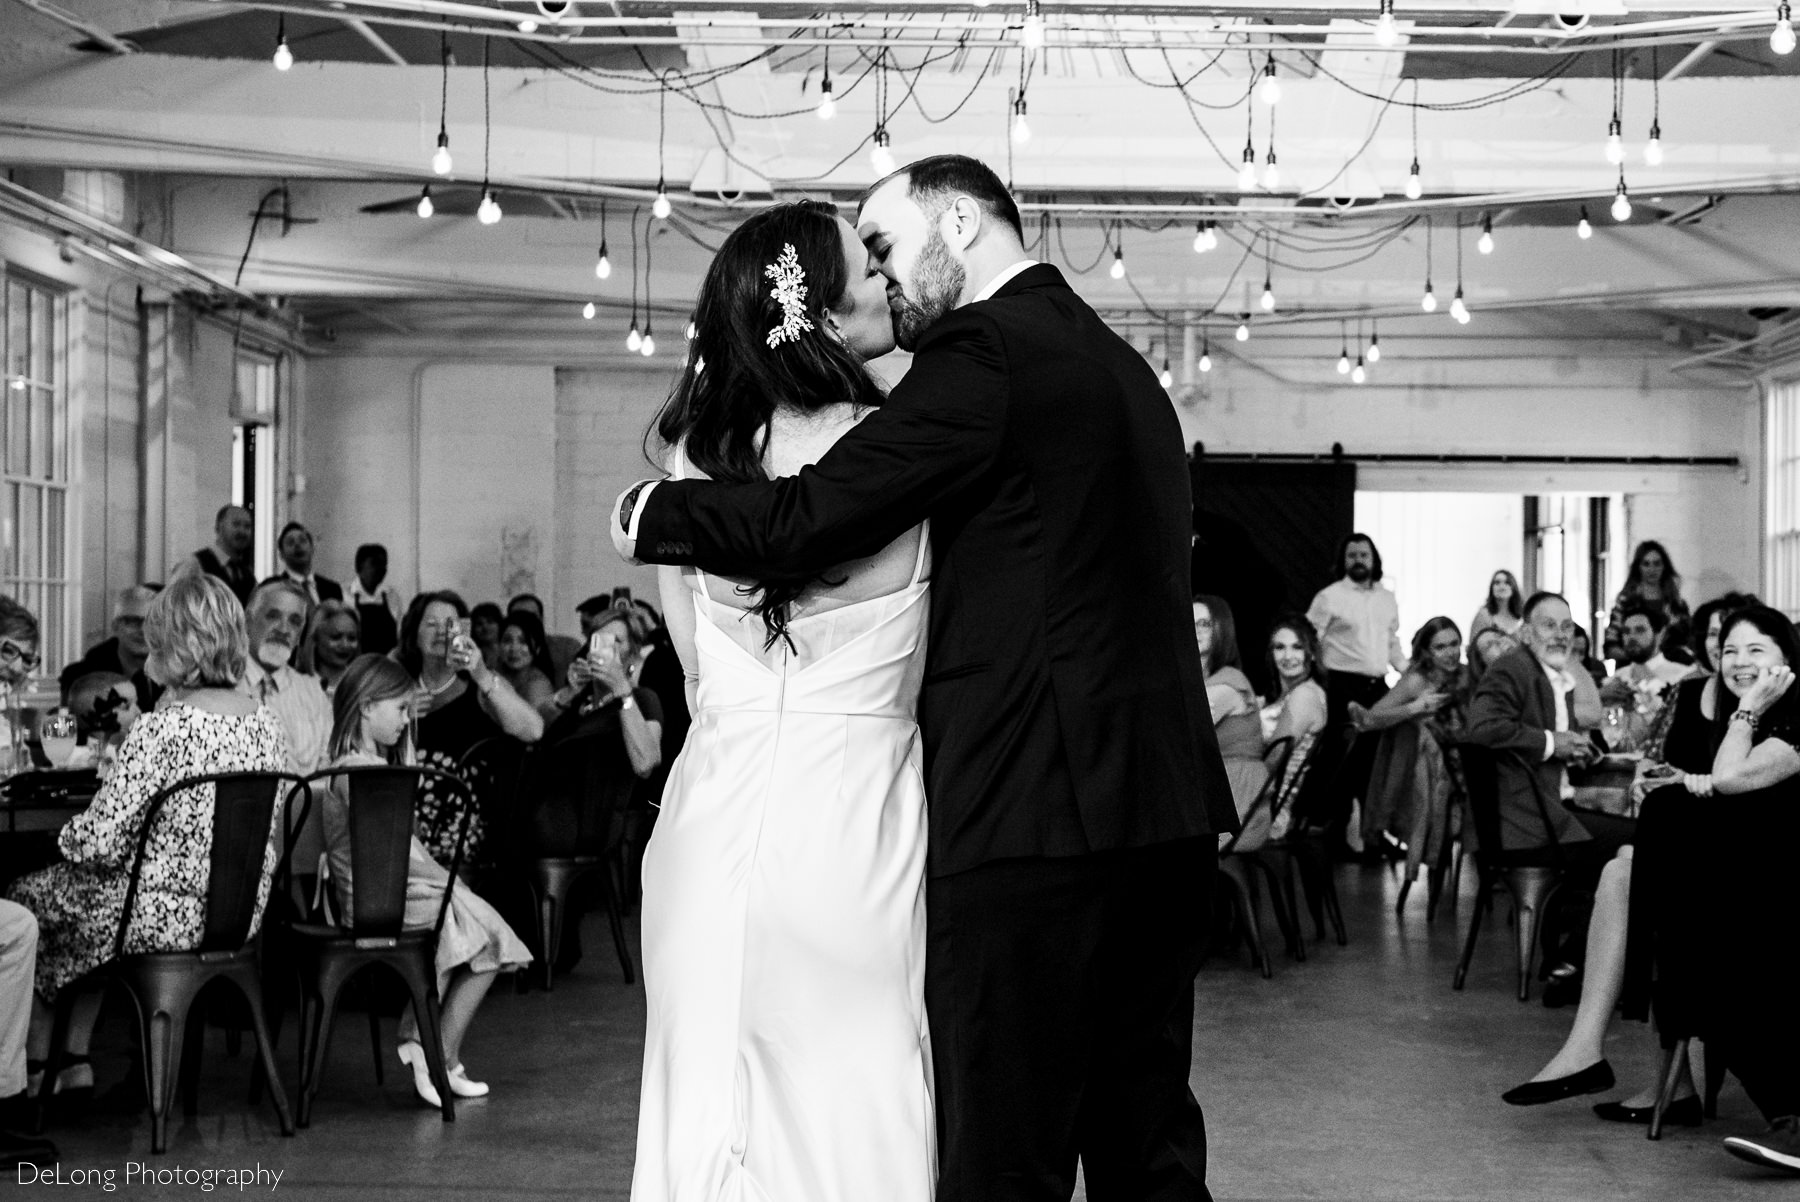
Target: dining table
34	805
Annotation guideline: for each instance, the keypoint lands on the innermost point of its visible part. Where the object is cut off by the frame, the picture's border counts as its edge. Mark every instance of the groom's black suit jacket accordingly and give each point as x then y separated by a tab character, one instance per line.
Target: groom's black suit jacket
1064	709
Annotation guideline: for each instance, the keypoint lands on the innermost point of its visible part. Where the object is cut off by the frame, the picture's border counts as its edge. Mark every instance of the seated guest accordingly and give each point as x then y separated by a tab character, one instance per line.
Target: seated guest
458	704
1486	647
1646	669
1503	608
484	628
275	622
125	652
105	708
377	604
524	662
18	657
1708	623
1298	711
1416	774
372	711
333	638
1234	705
295	545
1581	651
18	964
563	648
1652	581
198	653
228	559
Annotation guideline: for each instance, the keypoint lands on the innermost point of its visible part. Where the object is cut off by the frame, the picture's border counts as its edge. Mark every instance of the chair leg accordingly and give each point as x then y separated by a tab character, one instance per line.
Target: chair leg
1715	1081
1531	890
1315	893
1244	901
1482	889
617	921
421	983
1400	901
319	1005
1669	1074
1333	911
188	1078
375	1041
549	931
1285	918
245	980
163	1004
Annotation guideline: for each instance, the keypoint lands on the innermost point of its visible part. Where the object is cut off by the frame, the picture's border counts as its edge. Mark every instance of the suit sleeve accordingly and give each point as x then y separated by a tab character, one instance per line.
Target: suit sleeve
937	433
1496	716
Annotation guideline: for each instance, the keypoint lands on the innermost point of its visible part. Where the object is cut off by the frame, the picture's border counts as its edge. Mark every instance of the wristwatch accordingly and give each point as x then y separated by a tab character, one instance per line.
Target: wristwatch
629	505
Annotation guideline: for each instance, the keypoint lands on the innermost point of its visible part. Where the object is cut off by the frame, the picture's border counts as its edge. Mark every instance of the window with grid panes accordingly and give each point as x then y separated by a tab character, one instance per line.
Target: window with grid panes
1781	503
34	427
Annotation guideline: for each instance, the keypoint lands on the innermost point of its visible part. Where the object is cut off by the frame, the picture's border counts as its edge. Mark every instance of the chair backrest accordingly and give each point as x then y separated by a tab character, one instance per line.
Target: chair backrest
380	826
492	768
1261	814
1294	773
1481	774
242	825
576	793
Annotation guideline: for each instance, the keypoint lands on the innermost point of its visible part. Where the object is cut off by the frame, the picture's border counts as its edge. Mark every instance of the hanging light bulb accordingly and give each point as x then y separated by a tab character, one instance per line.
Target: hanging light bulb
1243	331
488	211
1583	230
1201	246
1021	130
1415	187
1247	172
1653	154
440	158
1271	174
602	265
1117	271
1269	91
528	26
881	154
1615	143
692	332
1344	362
1485	243
284	58
1212	235
827	105
634	341
1167	378
1032	35
1268	296
1374	347
1458	309
1621	205
1387	31
1205	356
1428	302
588	311
1781	39
647	347
1358	374
660	207
426	208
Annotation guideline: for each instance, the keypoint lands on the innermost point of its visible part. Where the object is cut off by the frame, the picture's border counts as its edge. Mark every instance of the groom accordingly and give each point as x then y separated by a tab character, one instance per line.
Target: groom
1074	783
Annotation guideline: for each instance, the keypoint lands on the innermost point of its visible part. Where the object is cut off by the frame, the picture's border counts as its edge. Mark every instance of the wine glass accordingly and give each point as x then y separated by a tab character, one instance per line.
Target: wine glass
58	735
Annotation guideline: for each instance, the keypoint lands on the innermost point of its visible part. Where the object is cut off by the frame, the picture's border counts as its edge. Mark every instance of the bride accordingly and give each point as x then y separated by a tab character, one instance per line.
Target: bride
787	1057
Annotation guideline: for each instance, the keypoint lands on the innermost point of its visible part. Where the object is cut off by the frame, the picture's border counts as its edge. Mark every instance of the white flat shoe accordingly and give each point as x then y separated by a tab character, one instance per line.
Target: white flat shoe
462	1087
412	1054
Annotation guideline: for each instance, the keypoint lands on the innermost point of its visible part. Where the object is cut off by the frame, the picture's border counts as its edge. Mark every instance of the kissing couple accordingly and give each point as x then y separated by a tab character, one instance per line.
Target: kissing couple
932	876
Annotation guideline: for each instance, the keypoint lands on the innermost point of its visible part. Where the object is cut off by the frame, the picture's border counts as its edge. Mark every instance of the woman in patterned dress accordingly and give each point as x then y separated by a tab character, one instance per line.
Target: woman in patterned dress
195	629
460	702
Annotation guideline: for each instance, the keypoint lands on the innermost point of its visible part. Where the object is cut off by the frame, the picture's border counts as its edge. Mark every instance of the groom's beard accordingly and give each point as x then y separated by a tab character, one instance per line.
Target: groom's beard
938	279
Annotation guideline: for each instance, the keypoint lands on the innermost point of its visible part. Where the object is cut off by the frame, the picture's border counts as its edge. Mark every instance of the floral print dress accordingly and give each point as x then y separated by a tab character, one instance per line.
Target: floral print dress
78	903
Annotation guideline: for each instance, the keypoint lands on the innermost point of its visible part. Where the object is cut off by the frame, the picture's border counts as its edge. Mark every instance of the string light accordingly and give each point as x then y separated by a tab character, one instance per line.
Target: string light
1583	230
426	208
647	347
440	158
881	156
1269	91
1271	174
692	332
1653	151
1031	36
488	212
1428	302
1167	377
634	341
1781	38
1268	292
1268	296
602	265
1117	271
1021	130
1387	31
660	207
588	311
1621	205
827	105
1485	243
284	58
1359	373
1374	344
1343	364
1458	310
1615	142
1201	245
1247	173
1206	352
1415	187
1243	330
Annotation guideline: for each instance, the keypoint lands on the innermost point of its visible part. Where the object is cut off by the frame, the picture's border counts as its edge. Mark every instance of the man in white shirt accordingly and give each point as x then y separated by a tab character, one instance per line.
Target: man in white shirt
1358	621
275	620
1646	667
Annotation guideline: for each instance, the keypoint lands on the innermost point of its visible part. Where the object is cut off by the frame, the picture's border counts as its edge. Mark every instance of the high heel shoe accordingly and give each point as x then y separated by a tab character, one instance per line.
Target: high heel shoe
1682	1112
412	1054
1595	1078
462	1087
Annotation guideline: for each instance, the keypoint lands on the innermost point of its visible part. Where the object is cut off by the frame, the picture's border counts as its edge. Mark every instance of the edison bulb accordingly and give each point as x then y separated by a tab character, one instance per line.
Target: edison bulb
1428	302
1621	205
588	311
1167	378
1205	361
1653	154
1268	299
1243	331
1357	373
284	58
1781	38
1117	271
1247	172
602	265
1374	349
1344	363
1387	32
1021	132
426	208
827	106
440	158
1269	91
1583	230
1271	178
1415	187
1200	246
692	332
1615	147
488	211
647	348
1212	238
1485	243
634	340
1458	310
881	155
1032	35
660	208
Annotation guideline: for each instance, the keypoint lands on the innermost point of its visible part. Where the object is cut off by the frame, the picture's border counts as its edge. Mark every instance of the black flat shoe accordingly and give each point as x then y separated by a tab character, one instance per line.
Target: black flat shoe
1595	1078
1682	1112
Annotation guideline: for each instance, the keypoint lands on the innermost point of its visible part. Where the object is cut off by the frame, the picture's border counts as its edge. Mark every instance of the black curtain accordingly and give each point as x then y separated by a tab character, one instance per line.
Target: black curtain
1265	535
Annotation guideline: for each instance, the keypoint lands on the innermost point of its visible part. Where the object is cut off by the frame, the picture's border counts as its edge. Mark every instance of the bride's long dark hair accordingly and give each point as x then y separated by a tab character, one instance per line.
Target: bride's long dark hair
734	380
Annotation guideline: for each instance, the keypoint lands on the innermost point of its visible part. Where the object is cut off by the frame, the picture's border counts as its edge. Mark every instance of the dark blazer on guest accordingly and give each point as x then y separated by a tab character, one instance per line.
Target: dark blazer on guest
1512	708
1063	709
329	589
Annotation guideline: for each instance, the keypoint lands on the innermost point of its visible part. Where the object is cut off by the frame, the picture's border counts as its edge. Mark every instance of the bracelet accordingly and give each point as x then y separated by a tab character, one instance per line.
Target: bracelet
1747	717
630	703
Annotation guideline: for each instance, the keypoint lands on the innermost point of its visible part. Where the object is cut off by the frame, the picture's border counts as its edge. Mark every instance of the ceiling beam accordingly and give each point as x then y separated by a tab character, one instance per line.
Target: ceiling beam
1690	60
376	40
63	16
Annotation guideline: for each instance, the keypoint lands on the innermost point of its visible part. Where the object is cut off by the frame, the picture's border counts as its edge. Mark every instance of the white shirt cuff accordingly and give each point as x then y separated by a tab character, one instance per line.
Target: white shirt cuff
1549	744
637	512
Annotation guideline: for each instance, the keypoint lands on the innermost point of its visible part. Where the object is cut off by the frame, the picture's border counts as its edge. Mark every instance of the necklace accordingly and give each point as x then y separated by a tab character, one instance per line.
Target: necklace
433	692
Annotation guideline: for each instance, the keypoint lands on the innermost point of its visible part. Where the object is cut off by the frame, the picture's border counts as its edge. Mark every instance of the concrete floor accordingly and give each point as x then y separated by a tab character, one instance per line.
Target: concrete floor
1357	1075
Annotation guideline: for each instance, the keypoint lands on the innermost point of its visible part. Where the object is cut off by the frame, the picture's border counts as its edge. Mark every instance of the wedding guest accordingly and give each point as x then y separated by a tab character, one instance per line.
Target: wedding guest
333	638
377	604
228	559
1236	720
1298	711
1652	580
563	648
1581	651
1709	620
371	716
18	964
484	628
105	708
458	703
274	622
18	643
125	652
295	546
524	662
1645	668
1487	647
198	653
1504	608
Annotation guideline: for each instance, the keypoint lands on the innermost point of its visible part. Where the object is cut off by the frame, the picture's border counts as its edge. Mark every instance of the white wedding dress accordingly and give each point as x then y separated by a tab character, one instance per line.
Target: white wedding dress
787	1057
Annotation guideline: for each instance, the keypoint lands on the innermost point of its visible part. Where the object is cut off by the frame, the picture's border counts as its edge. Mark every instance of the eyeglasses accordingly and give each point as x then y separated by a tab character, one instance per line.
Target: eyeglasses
1203	622
11	653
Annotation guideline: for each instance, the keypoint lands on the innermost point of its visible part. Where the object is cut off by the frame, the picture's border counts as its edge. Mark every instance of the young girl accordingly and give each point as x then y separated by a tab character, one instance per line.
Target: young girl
371	710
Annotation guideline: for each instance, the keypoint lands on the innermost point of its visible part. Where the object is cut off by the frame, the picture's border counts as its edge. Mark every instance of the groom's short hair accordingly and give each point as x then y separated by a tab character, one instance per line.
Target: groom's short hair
934	181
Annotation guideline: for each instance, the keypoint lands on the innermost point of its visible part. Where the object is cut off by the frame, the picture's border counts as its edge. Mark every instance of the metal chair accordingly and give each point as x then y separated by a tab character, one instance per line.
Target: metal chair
380	823
163	985
1309	858
1669	1077
1530	882
1241	866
